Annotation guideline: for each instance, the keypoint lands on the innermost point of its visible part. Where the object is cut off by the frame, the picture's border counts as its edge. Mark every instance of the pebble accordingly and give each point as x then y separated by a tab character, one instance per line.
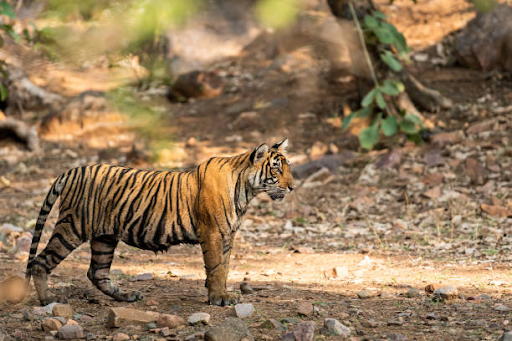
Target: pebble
245	288
233	329
244	310
197	318
366	293
49	324
171	321
120	316
413	293
304	331
396	337
273	324
335	327
121	337
446	293
507	336
46	310
501	307
305	309
71	331
63	310
370	324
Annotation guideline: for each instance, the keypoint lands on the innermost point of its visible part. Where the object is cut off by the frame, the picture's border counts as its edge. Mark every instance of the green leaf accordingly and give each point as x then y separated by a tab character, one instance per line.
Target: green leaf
380	15
6	9
3	92
391	61
368	99
385	35
414	118
347	120
389	126
370	21
392	87
380	100
365	112
368	137
408	126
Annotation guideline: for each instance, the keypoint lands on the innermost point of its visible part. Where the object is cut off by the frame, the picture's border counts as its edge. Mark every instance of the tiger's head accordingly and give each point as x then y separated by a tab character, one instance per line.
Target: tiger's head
270	171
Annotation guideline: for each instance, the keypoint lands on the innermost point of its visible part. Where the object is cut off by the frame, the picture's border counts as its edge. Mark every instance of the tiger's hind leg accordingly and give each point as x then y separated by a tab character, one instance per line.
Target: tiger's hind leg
59	247
102	254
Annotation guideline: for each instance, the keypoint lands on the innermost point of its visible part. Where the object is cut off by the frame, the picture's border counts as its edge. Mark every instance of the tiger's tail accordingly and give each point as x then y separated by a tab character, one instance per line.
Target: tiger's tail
48	203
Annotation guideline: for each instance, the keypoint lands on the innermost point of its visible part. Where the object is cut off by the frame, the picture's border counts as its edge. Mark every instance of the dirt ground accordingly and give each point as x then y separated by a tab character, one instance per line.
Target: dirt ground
393	219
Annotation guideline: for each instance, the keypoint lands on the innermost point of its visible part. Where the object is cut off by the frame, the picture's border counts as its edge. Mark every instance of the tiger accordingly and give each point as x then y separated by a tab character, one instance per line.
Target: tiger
153	210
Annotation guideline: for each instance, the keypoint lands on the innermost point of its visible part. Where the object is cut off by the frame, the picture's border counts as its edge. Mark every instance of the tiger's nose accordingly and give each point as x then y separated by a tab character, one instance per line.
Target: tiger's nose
290	188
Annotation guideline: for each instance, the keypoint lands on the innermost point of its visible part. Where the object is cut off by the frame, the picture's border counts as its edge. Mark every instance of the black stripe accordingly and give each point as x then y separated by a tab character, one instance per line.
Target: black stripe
63	241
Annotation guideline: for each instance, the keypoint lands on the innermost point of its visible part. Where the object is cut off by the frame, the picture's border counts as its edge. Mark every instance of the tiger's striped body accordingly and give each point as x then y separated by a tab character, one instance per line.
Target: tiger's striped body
153	210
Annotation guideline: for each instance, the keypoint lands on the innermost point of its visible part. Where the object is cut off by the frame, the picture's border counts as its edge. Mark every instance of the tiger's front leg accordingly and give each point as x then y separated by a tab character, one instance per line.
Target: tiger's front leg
216	253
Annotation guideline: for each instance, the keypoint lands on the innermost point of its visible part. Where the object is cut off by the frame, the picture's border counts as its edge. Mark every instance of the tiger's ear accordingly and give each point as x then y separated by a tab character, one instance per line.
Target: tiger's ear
281	146
259	153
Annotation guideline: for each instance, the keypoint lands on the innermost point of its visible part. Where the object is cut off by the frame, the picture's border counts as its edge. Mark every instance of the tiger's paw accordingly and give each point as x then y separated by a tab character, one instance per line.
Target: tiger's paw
129	296
222	300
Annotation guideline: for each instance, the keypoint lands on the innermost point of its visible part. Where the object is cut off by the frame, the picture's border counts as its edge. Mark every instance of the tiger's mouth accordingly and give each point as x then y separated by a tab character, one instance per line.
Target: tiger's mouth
276	196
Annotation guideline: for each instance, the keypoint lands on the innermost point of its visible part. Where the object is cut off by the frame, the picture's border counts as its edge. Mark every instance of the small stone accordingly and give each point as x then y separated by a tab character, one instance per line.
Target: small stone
245	288
142	277
49	324
120	316
304	331
395	323
165	331
171	321
446	293
485	297
412	293
370	324
46	310
396	337
71	331
507	336
432	316
335	327
430	288
233	329
244	310
273	324
305	309
197	318
121	337
366	293
475	171
63	310
501	307
386	294
289	320
85	318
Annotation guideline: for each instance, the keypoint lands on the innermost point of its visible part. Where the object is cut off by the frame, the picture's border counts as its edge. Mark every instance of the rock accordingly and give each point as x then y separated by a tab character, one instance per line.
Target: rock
196	84
246	289
430	288
23	244
142	277
233	329
121	337
322	176
46	310
71	331
63	310
305	309
366	293
7	229
304	331
120	316
485	41
446	293
413	293
197	318
370	324
480	127
171	321
49	324
506	336
396	337
12	290
501	307
475	171
496	211
289	320
337	272
334	327
244	310
273	324
390	159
